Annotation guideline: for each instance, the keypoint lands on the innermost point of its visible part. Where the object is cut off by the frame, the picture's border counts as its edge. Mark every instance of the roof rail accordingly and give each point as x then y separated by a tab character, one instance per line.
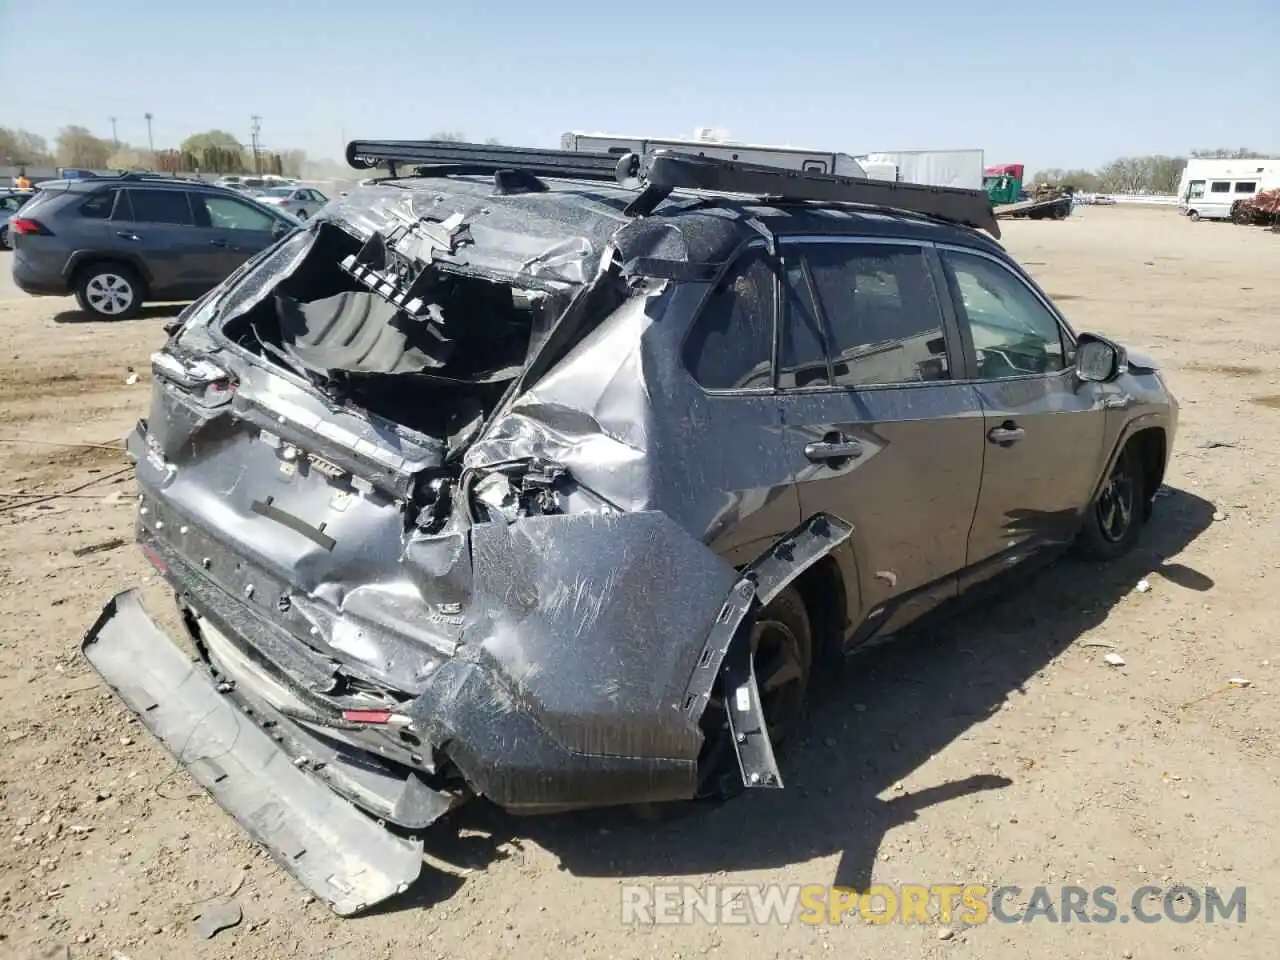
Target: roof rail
147	175
656	175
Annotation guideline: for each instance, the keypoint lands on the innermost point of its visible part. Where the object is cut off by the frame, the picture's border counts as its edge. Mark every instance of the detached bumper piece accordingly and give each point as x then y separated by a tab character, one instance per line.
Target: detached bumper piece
342	856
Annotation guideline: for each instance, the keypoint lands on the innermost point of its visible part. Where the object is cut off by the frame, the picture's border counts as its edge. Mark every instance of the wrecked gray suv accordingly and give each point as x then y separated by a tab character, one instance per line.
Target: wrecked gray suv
555	478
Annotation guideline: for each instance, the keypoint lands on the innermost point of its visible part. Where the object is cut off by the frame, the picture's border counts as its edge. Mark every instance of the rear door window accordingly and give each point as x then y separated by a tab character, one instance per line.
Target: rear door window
882	313
160	206
802	351
730	346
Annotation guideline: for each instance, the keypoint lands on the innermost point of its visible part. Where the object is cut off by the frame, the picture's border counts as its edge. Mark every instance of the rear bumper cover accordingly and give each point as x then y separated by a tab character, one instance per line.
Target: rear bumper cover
338	853
38	283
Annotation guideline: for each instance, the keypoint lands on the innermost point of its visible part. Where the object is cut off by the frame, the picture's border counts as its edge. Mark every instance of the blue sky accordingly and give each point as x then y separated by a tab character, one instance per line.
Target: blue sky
1064	84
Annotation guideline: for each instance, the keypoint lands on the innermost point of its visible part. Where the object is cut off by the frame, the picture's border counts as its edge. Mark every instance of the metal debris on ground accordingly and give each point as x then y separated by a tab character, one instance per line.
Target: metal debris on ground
217	917
1098	643
1114	660
1215	444
105	545
1235	683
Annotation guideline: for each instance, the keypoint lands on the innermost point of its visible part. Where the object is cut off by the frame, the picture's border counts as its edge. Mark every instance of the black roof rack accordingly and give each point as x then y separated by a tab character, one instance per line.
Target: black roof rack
448	156
657	174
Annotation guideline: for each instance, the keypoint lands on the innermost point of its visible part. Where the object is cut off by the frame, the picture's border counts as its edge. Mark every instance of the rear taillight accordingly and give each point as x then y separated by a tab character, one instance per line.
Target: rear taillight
29	227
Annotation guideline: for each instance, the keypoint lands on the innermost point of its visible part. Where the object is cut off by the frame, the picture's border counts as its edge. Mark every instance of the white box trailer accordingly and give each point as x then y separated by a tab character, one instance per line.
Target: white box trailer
936	168
1210	187
791	158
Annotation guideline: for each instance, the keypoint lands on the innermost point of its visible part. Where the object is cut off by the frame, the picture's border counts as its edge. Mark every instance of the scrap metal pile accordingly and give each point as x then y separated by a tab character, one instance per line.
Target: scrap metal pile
1262	209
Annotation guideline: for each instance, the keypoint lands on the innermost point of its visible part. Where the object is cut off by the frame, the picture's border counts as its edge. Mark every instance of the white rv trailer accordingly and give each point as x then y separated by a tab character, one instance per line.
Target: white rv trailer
792	158
1209	187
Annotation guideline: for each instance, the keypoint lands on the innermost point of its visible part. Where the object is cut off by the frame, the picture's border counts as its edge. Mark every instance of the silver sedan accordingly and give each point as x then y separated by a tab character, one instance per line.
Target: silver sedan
302	202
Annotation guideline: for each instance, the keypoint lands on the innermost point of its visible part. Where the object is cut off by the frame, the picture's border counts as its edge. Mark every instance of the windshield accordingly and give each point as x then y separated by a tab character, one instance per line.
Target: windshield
278	192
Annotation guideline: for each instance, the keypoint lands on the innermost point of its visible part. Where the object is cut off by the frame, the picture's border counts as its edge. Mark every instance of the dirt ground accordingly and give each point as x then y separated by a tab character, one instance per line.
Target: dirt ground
1001	749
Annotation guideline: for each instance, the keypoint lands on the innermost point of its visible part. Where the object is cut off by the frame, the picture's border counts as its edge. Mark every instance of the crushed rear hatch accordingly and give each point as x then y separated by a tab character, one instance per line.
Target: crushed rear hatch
407	589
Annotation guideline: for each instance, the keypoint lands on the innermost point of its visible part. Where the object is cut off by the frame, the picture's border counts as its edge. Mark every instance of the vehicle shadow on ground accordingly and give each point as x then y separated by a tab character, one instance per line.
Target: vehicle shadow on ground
896	707
162	311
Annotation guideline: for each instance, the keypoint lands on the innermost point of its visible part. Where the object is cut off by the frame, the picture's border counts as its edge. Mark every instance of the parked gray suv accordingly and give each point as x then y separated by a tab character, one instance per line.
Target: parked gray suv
555	478
116	242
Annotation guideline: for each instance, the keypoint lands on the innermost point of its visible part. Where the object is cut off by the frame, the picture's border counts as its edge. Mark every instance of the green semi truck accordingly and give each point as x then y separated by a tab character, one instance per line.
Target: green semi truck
1010	201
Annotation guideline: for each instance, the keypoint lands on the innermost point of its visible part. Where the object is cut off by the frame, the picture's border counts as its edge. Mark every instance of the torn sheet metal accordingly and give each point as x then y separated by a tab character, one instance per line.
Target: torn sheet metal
336	852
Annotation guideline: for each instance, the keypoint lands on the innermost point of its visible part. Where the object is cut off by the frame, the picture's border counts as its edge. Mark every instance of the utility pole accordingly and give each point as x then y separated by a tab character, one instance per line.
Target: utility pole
115	140
254	132
151	143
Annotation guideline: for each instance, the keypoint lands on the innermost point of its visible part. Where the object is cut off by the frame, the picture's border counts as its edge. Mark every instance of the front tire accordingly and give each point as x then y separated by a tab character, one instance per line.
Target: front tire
109	291
1114	520
1193	216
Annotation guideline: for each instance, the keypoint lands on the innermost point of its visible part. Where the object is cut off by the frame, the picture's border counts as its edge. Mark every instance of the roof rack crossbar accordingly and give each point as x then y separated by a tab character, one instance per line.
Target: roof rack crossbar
483	158
658	173
675	171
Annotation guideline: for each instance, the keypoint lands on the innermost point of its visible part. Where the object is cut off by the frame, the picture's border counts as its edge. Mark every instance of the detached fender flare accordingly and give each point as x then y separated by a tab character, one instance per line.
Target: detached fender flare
725	653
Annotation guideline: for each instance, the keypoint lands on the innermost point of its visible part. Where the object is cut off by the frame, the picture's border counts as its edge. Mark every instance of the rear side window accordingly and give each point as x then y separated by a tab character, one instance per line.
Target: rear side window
99	206
882	312
1246	186
160	206
731	344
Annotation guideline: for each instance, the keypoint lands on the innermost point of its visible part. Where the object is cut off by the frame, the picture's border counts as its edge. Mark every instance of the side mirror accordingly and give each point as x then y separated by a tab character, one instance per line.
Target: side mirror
1099	360
280	228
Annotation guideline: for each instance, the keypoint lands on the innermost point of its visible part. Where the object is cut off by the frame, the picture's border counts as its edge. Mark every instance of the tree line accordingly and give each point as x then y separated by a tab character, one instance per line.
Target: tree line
1152	174
214	151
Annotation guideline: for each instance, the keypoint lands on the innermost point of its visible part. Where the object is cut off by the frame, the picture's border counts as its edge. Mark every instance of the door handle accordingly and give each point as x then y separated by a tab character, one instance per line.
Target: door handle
218	243
126	235
820	451
1005	434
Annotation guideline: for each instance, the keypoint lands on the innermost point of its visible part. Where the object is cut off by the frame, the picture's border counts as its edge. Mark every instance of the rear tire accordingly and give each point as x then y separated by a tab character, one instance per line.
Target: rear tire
782	655
782	652
109	291
1114	520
